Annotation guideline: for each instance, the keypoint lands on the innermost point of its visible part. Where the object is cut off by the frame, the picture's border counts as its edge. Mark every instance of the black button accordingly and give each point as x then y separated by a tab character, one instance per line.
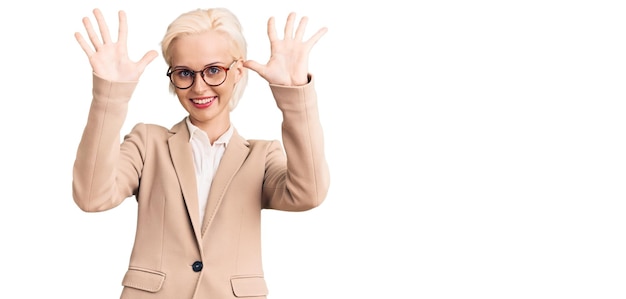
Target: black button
197	266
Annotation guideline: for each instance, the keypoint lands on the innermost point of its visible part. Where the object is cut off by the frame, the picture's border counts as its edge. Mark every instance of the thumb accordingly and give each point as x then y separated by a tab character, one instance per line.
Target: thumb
147	58
255	66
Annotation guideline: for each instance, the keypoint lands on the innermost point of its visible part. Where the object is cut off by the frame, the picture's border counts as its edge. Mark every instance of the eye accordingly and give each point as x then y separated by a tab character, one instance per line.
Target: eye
212	71
183	73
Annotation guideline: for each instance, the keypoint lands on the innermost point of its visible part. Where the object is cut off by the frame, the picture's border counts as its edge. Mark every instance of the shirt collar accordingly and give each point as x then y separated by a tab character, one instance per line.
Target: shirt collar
193	131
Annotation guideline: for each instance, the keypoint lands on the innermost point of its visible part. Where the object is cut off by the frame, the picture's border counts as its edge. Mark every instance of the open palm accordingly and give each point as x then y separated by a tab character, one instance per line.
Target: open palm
289	59
109	59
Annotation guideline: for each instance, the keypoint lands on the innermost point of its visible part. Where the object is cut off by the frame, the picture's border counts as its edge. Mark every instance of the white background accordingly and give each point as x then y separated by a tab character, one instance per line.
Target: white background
476	149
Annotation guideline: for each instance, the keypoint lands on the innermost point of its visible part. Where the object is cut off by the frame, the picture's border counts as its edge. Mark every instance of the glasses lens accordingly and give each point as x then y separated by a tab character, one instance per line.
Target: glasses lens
182	78
214	75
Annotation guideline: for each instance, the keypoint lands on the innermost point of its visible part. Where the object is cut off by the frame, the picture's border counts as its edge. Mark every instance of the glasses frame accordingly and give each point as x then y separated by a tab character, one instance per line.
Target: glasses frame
171	70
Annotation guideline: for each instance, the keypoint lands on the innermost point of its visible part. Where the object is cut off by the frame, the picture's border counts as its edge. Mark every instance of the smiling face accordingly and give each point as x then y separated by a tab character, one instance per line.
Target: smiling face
208	106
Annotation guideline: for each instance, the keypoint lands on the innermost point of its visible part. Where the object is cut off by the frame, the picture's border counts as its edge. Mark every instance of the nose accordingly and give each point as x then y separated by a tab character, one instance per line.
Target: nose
199	84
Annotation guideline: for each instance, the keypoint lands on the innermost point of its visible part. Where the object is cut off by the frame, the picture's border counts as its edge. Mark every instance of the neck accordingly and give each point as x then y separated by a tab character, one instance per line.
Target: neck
213	128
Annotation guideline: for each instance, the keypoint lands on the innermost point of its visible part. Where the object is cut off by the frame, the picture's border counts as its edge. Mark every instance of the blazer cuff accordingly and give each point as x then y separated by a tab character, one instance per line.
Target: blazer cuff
290	98
104	89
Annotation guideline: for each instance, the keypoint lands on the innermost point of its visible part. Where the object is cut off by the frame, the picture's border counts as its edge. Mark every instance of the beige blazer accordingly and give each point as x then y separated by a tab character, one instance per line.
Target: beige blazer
174	255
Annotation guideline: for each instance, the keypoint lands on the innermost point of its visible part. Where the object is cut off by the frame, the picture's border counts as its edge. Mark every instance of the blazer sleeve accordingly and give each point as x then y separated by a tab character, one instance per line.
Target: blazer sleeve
298	178
105	173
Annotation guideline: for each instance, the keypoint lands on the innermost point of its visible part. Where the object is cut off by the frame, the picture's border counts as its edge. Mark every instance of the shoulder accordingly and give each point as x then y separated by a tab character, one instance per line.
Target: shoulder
261	142
149	127
150	131
264	145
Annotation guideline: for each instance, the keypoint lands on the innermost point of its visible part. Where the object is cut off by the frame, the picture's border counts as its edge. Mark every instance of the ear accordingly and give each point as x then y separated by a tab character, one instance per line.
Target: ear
238	70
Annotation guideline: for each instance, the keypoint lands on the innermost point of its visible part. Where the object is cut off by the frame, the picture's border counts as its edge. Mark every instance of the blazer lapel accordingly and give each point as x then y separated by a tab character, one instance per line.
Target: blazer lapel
234	156
181	152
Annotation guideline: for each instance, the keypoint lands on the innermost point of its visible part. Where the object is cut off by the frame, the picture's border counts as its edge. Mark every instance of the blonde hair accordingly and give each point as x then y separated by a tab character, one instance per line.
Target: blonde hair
201	20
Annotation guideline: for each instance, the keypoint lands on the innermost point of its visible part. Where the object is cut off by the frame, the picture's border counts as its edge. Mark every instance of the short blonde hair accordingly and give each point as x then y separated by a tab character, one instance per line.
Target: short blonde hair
202	20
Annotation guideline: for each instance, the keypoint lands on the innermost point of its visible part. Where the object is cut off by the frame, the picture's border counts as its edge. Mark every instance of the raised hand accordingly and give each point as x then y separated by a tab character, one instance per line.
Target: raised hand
110	59
289	60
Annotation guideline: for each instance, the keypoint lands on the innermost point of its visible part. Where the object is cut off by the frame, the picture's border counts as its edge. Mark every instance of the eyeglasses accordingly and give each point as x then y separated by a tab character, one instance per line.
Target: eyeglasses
213	75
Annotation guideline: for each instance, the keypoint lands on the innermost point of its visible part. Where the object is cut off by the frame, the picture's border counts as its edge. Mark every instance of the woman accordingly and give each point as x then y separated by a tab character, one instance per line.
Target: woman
199	185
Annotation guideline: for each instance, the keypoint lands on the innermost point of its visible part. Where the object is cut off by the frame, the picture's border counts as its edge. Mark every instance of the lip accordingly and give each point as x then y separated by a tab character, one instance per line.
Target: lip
203	102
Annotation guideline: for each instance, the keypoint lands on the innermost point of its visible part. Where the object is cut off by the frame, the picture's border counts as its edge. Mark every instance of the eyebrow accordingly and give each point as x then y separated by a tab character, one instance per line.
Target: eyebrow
205	66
